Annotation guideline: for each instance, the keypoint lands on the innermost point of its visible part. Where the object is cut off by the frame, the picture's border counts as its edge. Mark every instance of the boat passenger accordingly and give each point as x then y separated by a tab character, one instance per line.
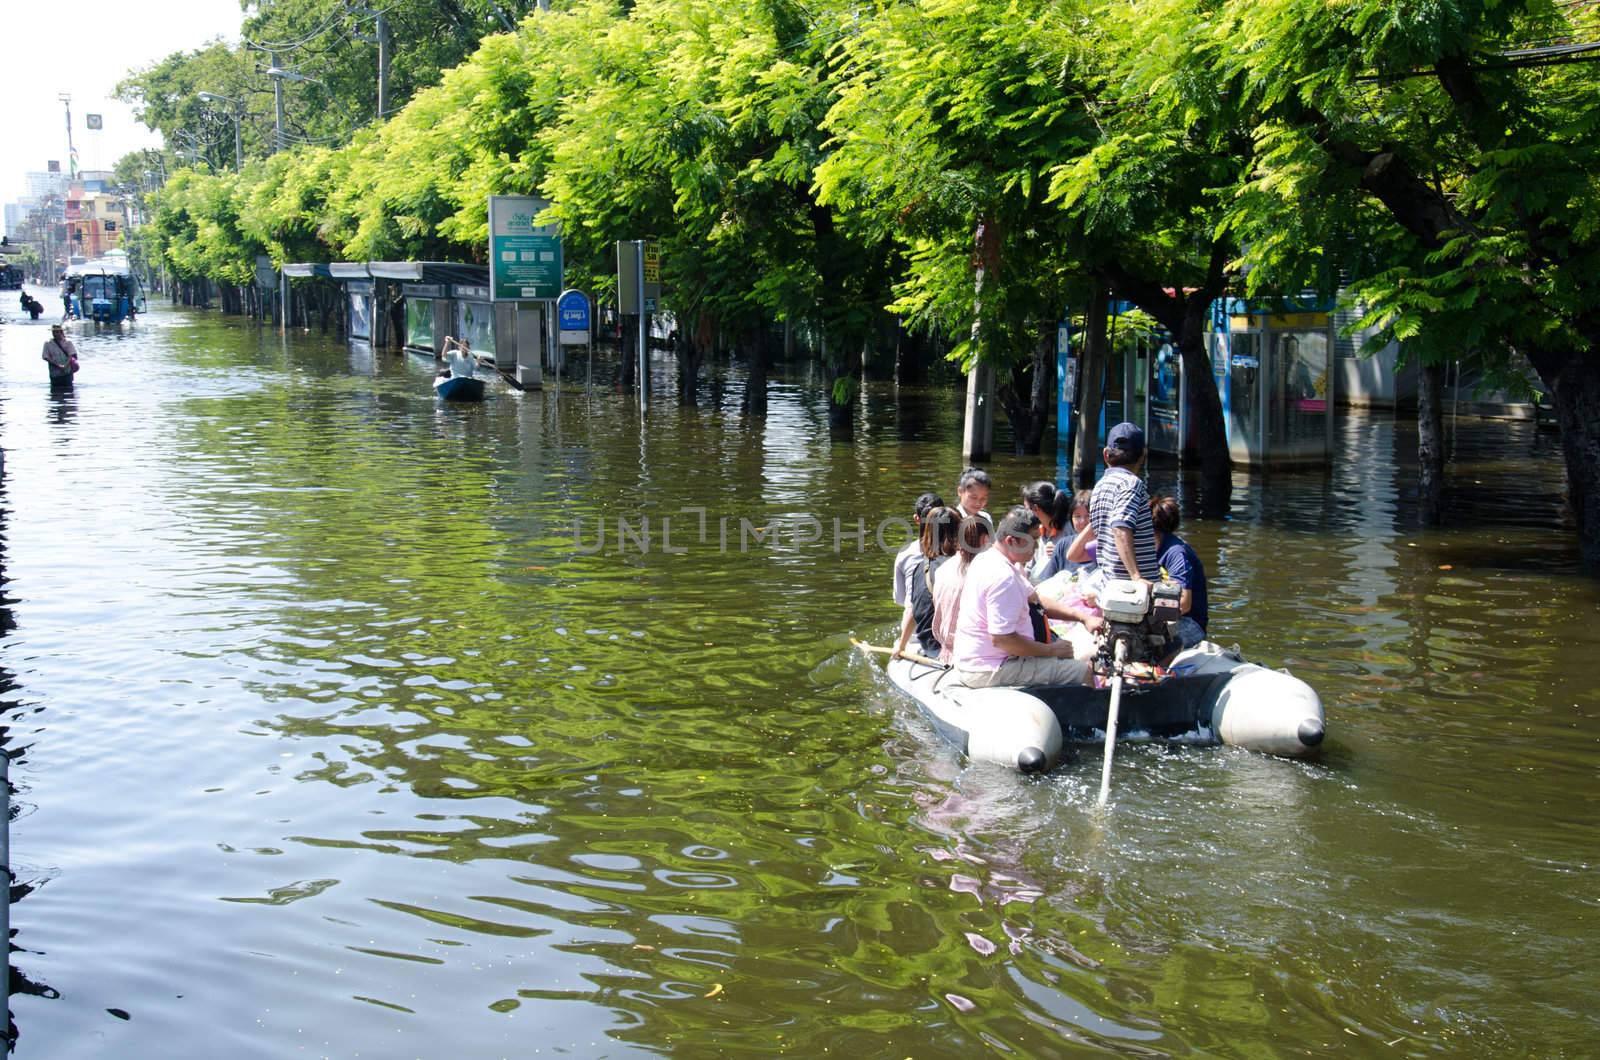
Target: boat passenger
1059	560
926	502
995	643
974	535
1119	512
940	528
1180	564
972	494
1053	509
457	354
61	356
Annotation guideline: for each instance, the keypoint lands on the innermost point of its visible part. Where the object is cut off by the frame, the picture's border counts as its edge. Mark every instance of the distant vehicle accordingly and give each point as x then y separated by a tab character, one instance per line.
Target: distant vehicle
104	290
10	277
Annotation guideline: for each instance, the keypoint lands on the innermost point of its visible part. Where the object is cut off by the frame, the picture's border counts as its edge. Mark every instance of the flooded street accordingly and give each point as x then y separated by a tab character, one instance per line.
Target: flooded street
331	737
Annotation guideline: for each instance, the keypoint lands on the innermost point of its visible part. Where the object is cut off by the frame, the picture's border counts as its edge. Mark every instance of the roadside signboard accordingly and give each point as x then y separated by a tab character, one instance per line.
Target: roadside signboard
572	312
628	276
92	121
524	259
652	275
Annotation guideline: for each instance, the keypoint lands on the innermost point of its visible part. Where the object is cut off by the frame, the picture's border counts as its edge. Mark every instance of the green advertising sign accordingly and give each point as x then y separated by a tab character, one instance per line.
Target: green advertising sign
524	259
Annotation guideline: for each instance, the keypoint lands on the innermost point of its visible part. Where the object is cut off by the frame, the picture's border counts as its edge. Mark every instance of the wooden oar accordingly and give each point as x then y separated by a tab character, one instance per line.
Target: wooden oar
1111	720
867	649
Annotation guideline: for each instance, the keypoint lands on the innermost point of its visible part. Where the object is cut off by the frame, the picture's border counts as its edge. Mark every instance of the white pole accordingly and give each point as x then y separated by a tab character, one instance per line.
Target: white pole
1111	720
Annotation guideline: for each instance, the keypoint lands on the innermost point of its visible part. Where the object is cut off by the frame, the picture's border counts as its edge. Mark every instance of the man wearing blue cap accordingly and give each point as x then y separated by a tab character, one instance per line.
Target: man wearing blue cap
1119	512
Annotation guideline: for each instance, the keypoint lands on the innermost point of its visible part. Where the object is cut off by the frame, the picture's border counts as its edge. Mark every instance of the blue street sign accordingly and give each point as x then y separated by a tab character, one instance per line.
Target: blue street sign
572	313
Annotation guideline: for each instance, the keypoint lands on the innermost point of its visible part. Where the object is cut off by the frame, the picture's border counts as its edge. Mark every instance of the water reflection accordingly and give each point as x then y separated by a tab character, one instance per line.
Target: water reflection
63	405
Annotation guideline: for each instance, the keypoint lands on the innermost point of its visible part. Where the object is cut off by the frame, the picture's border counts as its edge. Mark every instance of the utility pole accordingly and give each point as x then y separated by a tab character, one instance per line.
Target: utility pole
72	152
383	65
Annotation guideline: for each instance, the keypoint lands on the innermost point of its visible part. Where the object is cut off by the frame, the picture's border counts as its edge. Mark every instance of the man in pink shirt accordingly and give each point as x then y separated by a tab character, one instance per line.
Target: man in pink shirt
994	642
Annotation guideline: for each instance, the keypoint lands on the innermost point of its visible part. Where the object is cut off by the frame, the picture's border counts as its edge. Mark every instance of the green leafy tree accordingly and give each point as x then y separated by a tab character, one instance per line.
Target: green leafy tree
950	117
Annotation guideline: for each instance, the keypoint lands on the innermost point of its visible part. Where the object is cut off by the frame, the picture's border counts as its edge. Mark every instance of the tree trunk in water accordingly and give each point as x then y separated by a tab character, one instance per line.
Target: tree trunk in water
1430	442
1207	430
755	387
690	356
910	357
1091	367
1029	418
841	406
1574	383
844	339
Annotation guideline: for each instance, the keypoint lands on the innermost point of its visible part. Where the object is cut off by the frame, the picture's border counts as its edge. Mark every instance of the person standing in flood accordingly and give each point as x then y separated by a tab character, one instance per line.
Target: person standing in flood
61	356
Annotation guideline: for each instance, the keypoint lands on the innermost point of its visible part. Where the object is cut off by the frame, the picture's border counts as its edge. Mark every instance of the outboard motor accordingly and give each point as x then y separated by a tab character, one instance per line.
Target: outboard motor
1140	615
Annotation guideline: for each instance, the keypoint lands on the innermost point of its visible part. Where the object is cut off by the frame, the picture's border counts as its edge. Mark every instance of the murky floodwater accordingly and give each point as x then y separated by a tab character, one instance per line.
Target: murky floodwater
330	741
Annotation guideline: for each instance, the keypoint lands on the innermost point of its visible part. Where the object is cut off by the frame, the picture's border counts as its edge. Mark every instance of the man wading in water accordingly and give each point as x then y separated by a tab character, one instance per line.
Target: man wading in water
62	357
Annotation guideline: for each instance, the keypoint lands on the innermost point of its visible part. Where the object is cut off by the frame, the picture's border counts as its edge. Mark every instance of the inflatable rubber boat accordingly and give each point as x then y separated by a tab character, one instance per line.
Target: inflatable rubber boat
1210	696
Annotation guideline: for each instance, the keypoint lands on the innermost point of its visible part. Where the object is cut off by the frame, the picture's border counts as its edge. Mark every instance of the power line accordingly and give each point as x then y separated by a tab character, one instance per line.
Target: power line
1553	55
283	46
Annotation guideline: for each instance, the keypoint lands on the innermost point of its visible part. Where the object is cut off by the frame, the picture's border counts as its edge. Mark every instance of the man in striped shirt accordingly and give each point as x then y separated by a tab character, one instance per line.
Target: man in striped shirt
1119	512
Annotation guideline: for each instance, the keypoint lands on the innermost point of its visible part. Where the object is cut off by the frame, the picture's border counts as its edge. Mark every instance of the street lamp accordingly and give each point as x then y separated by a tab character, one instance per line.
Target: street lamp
237	117
279	75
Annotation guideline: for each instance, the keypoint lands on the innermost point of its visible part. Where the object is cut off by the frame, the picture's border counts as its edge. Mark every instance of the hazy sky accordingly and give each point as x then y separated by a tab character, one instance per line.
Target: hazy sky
84	48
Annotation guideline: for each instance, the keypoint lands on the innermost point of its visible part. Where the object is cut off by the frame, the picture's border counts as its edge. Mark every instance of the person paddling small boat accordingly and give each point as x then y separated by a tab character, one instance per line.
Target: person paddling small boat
456	381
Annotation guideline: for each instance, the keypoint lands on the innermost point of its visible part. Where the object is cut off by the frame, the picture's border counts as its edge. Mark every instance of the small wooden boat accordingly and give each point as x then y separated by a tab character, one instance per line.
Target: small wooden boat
458	388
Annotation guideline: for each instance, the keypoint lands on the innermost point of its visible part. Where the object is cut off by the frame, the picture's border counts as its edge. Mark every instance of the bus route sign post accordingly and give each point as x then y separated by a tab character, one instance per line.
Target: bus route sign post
572	315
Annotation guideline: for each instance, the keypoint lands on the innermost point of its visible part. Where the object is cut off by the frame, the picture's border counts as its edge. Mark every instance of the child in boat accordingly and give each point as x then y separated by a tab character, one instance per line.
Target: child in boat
940	528
925	503
972	538
1058	561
